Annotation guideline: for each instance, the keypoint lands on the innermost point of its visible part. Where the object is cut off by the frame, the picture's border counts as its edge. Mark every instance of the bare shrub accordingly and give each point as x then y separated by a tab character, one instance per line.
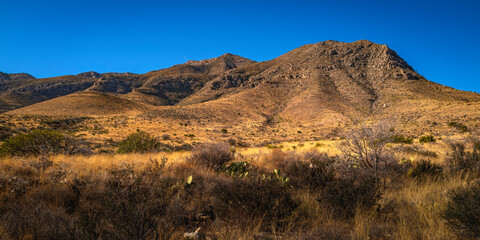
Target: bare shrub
211	155
366	147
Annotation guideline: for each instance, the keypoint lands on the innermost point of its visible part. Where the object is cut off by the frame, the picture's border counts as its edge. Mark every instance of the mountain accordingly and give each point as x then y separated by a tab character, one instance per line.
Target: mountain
162	87
326	84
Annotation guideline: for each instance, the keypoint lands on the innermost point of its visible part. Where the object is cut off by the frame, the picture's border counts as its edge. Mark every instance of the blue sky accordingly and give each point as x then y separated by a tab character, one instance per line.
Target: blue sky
440	39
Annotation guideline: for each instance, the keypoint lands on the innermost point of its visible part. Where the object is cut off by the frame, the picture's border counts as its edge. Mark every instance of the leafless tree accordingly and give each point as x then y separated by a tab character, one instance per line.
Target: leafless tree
365	146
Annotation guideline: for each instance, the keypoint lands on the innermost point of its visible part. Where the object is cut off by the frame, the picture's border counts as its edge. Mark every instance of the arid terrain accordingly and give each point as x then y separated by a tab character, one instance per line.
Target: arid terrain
331	140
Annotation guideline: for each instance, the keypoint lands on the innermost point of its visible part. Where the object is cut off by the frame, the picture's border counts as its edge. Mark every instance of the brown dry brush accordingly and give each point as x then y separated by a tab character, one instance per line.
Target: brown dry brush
306	196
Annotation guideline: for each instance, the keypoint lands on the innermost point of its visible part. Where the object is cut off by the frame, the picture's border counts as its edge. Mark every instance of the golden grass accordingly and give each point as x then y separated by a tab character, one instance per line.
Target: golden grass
420	205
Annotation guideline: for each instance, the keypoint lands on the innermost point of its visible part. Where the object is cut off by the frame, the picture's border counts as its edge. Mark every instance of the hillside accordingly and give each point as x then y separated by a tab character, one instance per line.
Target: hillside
84	104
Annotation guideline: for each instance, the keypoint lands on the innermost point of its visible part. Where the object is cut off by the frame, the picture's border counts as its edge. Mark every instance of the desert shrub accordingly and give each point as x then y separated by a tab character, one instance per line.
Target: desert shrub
138	142
40	142
427	138
460	126
232	141
5	132
211	155
476	143
270	146
243	199
349	191
460	159
462	211
166	137
314	172
130	207
129	204
30	219
397	138
424	168
183	147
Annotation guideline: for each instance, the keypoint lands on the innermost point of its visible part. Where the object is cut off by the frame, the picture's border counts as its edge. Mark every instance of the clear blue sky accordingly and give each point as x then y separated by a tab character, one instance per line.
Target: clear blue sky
440	39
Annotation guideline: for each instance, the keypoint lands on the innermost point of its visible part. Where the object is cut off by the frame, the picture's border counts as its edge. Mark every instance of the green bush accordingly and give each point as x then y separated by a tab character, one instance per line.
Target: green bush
139	142
402	139
462	211
427	138
40	142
